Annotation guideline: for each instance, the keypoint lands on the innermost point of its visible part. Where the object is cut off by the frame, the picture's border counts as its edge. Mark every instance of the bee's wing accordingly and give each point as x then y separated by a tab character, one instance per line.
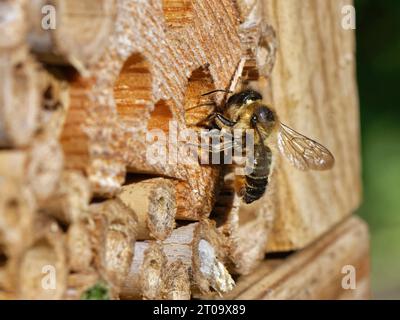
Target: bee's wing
302	152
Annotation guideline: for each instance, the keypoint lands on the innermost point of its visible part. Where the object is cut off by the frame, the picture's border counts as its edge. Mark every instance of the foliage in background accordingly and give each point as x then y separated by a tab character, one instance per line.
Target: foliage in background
378	71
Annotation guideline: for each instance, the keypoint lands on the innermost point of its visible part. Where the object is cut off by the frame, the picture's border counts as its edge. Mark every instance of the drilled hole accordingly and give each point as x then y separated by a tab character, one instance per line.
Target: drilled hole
3	256
133	90
160	117
49	101
200	82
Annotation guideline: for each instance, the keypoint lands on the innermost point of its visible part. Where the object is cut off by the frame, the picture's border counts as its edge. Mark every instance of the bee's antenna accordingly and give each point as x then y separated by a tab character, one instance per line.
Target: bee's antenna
201	105
216	90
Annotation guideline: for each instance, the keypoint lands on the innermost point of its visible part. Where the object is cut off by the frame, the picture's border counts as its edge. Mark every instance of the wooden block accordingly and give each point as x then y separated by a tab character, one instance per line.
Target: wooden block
316	271
313	89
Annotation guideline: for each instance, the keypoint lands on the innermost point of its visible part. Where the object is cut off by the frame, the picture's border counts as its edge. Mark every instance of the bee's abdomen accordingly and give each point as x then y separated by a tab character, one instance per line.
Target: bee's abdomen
256	182
254	188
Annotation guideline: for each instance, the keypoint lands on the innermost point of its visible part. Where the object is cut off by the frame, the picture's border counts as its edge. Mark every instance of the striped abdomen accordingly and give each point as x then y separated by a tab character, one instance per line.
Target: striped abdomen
256	182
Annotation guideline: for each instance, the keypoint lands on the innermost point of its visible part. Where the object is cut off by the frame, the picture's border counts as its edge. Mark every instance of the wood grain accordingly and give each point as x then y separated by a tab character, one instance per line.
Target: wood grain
313	89
314	272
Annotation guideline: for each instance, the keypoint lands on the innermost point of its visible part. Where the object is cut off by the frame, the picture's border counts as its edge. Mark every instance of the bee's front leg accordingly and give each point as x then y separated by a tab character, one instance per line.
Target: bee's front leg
223	122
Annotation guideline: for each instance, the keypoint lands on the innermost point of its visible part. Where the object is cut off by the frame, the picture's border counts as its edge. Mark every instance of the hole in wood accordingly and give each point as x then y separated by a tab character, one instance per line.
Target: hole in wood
196	107
177	13
133	90
161	116
3	256
223	205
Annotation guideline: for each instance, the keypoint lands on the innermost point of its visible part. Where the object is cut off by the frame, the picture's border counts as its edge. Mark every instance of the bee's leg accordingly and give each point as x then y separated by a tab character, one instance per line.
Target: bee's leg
214	91
223	122
206	120
217	148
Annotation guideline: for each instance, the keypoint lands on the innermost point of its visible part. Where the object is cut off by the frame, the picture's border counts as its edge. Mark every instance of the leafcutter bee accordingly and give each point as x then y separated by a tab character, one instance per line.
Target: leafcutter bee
246	110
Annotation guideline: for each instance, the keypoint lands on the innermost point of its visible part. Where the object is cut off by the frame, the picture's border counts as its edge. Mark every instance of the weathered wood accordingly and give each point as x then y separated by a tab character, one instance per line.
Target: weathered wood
79	247
17	211
198	245
44	166
119	238
176	282
89	286
19	97
13	25
39	166
54	104
70	31
313	90
70	200
145	277
314	272
42	271
139	71
132	91
154	202
246	230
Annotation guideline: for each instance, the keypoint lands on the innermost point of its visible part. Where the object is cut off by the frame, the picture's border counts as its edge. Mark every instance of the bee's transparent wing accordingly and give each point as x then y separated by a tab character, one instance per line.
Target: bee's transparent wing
303	153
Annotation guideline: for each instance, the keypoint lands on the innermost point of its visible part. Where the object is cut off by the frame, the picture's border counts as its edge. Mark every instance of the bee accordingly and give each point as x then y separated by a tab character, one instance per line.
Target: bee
246	110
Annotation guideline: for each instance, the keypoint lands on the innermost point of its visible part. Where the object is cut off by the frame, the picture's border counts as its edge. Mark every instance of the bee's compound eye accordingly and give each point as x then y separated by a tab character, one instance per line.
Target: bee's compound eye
254	119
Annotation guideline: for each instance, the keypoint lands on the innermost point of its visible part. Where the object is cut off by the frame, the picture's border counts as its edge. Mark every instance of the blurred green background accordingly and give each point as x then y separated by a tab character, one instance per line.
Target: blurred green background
378	71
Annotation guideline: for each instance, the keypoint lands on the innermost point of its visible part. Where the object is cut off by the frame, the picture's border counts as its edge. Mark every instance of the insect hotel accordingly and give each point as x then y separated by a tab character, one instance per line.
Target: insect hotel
99	198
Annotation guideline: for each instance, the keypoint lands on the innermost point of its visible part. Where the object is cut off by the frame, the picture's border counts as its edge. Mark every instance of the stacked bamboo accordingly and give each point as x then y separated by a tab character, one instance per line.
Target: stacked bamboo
84	214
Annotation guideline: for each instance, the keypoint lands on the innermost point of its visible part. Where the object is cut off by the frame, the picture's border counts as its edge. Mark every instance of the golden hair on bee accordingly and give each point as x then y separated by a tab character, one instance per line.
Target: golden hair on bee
245	110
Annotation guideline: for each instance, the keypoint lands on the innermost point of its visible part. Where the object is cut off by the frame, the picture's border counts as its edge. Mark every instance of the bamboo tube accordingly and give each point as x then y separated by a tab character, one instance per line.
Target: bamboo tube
119	238
44	166
19	97
145	277
39	167
87	250
70	31
13	164
176	282
43	269
154	202
97	224
79	247
55	100
70	200
13	25
198	246
17	206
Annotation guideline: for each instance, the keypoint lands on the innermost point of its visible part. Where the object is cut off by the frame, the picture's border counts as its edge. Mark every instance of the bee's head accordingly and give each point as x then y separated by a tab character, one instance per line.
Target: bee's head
243	98
263	118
